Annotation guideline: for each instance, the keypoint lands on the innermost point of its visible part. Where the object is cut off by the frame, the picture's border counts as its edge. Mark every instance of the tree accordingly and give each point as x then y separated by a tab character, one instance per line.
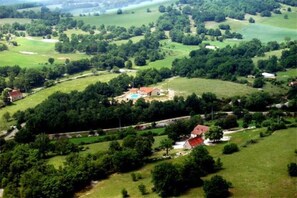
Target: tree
142	189
119	11
292	169
51	60
162	9
42	143
251	20
166	144
167	180
286	16
216	187
215	133
128	64
230	148
139	61
124	193
6	116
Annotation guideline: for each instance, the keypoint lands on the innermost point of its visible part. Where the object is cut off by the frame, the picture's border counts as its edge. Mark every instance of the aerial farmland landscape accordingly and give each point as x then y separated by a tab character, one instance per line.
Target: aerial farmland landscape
148	98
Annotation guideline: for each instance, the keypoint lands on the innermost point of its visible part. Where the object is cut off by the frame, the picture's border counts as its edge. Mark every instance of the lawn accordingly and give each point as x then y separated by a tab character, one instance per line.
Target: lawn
68	86
187	86
259	170
34	52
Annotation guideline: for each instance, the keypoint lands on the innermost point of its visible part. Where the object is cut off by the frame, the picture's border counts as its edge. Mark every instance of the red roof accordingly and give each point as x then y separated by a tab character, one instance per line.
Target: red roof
200	129
15	93
195	141
146	90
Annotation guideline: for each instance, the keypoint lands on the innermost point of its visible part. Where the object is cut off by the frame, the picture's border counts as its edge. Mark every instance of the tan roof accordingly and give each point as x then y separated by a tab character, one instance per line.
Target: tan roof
200	129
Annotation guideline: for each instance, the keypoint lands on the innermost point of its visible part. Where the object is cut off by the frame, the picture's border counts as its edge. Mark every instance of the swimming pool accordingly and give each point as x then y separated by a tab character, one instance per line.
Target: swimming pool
134	96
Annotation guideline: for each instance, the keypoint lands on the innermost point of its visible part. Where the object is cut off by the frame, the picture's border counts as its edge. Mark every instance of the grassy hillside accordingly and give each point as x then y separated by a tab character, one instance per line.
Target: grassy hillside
34	52
261	175
131	17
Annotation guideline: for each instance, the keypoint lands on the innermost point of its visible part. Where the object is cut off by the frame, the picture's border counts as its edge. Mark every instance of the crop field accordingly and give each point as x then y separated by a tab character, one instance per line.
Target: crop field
34	52
252	176
13	20
186	86
66	87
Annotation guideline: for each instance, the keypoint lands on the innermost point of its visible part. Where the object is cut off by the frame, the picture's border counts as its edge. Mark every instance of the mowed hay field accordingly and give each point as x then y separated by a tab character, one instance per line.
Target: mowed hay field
34	52
259	170
187	86
66	87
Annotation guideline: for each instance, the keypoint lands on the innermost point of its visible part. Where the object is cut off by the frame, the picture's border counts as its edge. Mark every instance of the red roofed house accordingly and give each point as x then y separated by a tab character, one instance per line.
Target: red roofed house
149	91
196	138
14	95
193	142
199	130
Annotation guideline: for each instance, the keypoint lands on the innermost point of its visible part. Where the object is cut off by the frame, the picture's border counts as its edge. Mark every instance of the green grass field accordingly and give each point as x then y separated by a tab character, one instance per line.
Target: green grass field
186	86
261	175
284	75
132	17
13	20
33	52
35	99
276	53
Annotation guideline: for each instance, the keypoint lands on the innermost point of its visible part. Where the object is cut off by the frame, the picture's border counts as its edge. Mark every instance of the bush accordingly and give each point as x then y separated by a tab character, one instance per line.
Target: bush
230	148
125	193
142	189
216	187
292	169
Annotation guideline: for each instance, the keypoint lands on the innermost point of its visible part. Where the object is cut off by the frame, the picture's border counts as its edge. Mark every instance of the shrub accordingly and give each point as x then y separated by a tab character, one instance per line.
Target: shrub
292	169
125	193
216	187
142	189
133	176
230	148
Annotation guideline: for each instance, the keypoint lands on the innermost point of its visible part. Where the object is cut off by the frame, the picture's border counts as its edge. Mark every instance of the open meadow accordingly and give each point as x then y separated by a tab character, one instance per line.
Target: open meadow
34	52
261	175
13	20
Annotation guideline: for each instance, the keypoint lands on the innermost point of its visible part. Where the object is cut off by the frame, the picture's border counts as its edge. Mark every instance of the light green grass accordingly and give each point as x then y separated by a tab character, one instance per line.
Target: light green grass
13	20
267	33
256	171
134	39
42	52
186	86
284	75
127	19
66	87
267	55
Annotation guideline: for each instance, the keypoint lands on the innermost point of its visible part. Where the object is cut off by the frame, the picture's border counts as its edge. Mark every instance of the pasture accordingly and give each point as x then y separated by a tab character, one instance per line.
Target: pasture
13	20
285	75
251	175
66	87
131	17
34	52
187	86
